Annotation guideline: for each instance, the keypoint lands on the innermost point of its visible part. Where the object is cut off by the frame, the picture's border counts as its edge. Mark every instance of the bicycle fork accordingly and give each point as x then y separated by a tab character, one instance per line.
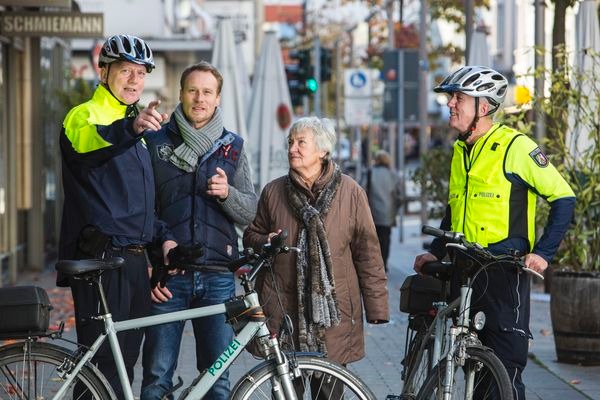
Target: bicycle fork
283	387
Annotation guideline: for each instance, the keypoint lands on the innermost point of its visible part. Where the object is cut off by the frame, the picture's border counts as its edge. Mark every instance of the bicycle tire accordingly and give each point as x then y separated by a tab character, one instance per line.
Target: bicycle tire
491	380
45	360
418	361
313	381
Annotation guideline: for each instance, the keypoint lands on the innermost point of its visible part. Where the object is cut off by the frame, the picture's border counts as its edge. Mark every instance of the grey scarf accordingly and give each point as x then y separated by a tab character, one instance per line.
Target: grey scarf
196	142
317	302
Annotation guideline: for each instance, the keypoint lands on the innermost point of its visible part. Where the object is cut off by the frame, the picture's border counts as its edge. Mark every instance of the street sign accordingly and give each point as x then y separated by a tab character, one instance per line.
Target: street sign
357	110
357	83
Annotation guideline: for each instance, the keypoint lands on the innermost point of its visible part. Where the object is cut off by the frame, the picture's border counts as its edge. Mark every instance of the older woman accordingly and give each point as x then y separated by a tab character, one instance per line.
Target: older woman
339	269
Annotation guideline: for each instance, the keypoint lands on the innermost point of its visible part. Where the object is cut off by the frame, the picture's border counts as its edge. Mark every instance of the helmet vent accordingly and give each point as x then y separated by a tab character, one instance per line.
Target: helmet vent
471	80
460	75
485	87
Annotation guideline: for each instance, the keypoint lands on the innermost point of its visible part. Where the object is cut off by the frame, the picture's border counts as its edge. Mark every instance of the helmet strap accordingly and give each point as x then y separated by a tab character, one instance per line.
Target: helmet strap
466	134
113	95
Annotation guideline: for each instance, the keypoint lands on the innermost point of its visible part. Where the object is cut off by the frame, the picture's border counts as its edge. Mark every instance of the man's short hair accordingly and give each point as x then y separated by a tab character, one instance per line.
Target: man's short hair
202	66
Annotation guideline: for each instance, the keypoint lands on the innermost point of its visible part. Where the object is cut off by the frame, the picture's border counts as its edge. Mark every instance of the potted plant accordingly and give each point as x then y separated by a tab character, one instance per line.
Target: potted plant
575	292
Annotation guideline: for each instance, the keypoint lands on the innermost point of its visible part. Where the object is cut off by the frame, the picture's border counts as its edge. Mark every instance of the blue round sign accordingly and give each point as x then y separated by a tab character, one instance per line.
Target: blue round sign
358	79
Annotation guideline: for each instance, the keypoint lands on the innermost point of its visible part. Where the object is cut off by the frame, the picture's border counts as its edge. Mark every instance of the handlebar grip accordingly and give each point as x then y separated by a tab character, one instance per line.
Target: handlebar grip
237	264
430	230
448	235
278	240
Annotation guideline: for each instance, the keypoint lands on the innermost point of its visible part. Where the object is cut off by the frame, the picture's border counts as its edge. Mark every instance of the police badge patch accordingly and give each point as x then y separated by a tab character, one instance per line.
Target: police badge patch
164	151
539	157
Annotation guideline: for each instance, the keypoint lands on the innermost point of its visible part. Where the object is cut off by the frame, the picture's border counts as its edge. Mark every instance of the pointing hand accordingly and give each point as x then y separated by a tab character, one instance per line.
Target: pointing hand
149	118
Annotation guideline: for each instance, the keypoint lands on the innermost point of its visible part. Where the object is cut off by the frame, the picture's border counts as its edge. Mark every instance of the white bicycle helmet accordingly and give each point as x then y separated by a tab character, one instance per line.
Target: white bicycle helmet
126	48
477	82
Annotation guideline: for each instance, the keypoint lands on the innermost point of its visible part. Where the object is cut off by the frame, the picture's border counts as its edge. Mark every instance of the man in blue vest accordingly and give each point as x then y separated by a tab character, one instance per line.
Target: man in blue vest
203	190
109	196
495	176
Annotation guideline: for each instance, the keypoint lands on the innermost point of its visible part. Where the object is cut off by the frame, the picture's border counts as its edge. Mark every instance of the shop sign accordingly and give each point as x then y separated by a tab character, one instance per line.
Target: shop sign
37	3
71	24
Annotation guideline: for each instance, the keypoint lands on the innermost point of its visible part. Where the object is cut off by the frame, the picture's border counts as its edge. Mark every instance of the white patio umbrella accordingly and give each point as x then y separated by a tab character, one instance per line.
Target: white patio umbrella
587	42
479	52
269	114
244	78
235	83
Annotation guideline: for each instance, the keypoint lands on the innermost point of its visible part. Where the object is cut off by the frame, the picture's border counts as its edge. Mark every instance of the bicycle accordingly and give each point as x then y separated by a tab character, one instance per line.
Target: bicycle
444	357
37	369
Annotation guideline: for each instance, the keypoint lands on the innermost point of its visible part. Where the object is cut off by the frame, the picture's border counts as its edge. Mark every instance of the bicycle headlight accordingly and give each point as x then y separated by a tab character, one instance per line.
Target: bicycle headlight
478	321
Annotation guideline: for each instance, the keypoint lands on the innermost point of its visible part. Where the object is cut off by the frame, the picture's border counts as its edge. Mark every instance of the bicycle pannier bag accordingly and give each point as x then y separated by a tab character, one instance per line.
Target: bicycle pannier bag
418	292
24	309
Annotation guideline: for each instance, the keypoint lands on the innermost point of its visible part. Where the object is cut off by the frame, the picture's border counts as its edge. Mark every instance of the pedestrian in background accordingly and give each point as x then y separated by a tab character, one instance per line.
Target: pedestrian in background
339	270
495	177
109	197
203	188
383	191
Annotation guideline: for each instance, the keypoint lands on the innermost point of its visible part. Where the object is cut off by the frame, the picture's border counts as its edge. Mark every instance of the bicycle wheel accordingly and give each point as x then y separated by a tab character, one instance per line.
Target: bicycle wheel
37	374
418	361
483	377
314	378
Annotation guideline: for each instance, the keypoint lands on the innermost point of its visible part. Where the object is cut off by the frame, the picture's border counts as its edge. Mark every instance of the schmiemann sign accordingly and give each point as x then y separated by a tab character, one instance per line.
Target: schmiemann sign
81	25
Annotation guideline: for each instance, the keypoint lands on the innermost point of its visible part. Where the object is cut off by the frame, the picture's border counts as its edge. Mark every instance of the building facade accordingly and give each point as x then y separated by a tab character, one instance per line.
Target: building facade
32	72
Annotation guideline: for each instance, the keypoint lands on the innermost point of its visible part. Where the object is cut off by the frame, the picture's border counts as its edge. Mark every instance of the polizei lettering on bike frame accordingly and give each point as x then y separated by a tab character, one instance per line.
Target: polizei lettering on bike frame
226	355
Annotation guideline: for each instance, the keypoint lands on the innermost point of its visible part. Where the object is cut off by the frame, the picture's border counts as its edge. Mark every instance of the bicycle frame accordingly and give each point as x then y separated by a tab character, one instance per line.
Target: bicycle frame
209	377
438	329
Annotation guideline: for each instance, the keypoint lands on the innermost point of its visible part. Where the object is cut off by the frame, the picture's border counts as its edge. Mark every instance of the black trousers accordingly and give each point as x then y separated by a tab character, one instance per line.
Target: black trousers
127	291
383	233
512	350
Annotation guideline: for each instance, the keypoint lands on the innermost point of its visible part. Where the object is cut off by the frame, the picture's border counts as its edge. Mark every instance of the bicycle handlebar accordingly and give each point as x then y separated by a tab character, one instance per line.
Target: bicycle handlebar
457	240
184	257
448	235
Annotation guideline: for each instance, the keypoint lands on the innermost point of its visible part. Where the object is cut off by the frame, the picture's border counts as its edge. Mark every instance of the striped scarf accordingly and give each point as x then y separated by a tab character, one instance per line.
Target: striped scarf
196	142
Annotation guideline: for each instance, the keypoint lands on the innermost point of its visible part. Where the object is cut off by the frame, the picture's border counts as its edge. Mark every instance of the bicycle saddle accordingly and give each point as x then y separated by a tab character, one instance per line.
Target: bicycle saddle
438	269
81	267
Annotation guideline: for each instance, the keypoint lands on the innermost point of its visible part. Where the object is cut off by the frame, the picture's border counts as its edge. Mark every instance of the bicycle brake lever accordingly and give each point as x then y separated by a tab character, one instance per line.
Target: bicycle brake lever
458	246
294	249
530	271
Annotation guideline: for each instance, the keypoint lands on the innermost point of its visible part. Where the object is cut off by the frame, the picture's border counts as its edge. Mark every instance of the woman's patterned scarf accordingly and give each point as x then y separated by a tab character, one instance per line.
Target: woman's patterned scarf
317	304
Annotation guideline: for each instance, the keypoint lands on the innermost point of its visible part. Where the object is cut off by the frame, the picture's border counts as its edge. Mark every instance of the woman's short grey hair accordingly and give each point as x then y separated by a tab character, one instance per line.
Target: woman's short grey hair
322	128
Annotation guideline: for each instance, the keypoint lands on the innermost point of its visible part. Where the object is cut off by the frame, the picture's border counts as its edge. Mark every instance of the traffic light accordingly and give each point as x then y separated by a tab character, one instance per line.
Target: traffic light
311	85
294	85
305	72
326	64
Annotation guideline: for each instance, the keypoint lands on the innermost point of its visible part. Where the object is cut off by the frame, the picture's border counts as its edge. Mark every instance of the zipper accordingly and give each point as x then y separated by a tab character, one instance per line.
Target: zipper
193	200
468	164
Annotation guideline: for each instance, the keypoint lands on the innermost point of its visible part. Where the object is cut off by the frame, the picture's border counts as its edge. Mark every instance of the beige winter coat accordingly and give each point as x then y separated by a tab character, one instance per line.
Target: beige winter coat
359	276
